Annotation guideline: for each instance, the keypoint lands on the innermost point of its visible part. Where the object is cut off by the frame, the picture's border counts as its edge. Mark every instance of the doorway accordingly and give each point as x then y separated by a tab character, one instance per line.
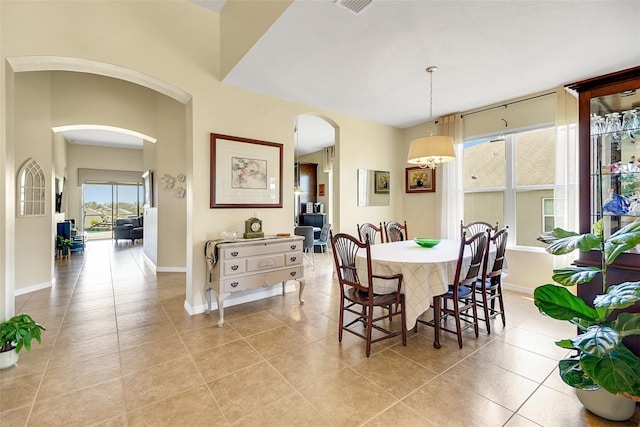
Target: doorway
104	202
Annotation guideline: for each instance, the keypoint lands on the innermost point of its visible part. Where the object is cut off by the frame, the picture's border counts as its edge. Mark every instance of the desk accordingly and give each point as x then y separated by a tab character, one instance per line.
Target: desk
426	272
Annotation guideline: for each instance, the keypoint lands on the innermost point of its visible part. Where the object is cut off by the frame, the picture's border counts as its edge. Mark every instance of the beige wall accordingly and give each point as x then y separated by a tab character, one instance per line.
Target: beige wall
176	45
34	235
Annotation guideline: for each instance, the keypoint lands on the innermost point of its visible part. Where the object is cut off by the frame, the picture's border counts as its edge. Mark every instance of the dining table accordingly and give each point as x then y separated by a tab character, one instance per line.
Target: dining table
426	271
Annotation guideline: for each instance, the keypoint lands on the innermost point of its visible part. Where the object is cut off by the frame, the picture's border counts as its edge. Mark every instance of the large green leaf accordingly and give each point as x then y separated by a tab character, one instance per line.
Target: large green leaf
565	245
570	276
597	341
571	373
621	241
627	324
559	303
618	372
619	296
557	233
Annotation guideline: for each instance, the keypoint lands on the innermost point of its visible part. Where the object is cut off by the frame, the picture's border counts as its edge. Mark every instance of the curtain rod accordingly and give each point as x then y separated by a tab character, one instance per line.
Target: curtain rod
507	104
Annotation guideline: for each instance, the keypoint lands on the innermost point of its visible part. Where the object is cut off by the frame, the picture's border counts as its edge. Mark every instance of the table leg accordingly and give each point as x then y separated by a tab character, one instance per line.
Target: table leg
301	285
220	299
207	295
436	321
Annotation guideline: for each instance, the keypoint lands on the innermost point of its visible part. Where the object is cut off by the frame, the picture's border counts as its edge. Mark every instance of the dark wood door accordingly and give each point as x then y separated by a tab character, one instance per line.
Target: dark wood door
308	183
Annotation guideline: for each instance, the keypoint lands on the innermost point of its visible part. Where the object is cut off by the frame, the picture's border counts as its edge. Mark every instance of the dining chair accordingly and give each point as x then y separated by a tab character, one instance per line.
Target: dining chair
370	232
307	245
395	231
323	239
358	298
489	288
461	292
477	226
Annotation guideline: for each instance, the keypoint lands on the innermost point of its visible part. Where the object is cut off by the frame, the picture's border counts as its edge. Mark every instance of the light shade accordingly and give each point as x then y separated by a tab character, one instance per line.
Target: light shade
430	151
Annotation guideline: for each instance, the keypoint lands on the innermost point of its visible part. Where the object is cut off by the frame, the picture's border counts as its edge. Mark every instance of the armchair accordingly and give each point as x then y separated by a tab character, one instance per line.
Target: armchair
128	229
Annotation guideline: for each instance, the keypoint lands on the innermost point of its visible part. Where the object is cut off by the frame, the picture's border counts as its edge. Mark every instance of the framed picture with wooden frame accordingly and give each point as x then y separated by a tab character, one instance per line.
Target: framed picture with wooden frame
245	173
419	180
381	182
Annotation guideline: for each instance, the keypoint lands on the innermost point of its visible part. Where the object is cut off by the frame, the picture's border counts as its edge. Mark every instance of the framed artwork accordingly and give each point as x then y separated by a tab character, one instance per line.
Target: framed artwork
381	181
245	173
320	189
419	180
147	177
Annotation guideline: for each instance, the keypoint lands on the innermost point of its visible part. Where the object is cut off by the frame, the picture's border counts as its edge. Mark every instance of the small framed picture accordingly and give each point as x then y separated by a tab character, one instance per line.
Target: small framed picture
419	180
381	181
320	189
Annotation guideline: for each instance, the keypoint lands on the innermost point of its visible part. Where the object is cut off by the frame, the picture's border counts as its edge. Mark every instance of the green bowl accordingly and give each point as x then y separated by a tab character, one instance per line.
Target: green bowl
426	243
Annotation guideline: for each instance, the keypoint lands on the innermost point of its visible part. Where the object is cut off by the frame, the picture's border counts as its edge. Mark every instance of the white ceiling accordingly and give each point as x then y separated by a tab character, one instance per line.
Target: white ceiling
372	64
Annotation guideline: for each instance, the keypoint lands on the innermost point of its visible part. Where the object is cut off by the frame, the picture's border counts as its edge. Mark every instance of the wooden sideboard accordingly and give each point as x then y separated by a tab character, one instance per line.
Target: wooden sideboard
244	264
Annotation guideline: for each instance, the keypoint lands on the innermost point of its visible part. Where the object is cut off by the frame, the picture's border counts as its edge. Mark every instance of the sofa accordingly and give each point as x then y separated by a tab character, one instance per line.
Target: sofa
128	229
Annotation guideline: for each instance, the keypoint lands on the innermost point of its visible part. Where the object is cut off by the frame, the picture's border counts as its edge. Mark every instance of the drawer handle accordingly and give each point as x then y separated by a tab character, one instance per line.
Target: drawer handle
234	253
234	284
293	258
266	263
293	246
234	267
292	273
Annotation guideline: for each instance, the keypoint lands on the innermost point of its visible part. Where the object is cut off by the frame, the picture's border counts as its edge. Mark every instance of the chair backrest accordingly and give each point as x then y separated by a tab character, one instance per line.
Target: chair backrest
370	232
474	249
395	231
345	249
307	232
324	233
500	240
476	227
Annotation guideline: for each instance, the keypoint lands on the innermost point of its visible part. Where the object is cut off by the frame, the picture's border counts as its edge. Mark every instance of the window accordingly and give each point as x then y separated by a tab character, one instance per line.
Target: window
31	189
508	179
548	222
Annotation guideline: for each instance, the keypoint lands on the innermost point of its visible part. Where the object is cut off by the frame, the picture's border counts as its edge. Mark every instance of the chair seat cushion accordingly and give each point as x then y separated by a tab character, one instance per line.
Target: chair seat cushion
489	285
361	297
463	292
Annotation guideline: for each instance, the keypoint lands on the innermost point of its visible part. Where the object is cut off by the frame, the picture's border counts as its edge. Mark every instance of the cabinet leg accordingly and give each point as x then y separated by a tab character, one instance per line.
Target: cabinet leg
220	298
207	295
301	285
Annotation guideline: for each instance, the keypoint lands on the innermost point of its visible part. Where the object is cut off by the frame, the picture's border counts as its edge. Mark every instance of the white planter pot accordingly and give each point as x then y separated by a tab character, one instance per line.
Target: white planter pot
8	358
607	405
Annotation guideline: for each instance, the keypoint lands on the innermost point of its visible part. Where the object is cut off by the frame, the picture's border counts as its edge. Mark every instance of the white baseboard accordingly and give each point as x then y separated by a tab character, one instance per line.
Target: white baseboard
32	288
516	288
171	269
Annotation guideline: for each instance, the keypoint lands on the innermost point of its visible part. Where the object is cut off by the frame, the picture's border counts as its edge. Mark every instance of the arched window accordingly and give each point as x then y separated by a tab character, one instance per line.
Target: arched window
31	189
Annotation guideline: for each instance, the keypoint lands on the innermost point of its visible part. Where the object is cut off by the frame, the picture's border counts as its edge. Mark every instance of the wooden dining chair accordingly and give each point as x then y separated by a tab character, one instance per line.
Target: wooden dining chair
373	312
461	292
477	226
370	232
489	288
395	231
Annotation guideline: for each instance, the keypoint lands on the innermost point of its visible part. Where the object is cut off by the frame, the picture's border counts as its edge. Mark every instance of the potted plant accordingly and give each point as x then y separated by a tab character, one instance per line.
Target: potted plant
602	361
17	333
63	244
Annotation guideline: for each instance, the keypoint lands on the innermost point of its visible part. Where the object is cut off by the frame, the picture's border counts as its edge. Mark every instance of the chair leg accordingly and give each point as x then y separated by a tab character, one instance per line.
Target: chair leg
456	315
485	307
501	302
369	329
403	319
341	320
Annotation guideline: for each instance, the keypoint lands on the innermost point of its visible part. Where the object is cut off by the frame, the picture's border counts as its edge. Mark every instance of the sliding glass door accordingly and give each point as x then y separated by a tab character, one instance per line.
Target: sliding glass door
103	203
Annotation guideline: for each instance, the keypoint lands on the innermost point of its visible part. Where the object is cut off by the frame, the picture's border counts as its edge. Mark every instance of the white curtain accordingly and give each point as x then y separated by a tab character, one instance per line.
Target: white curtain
566	169
451	187
327	157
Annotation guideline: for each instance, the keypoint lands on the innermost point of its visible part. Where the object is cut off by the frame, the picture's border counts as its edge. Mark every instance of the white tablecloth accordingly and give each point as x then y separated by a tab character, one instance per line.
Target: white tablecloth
426	271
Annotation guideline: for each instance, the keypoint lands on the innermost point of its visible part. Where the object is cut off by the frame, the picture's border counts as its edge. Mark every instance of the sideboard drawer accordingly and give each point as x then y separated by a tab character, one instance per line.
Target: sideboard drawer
242	251
293	258
267	262
260	280
232	267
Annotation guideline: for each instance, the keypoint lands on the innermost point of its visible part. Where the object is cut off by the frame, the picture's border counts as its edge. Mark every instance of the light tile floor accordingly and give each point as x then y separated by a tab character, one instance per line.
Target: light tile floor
120	350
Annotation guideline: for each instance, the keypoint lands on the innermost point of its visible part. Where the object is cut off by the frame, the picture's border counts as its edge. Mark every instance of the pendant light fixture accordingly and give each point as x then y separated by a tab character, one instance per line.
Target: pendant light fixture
430	151
296	188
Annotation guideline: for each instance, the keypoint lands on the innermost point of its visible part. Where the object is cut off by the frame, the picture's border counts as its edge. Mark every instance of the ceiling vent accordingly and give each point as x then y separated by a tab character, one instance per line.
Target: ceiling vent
354	6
